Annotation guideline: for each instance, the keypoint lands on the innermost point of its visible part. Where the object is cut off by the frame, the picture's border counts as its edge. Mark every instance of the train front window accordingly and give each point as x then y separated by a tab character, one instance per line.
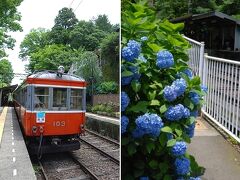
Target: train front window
59	99
76	99
41	98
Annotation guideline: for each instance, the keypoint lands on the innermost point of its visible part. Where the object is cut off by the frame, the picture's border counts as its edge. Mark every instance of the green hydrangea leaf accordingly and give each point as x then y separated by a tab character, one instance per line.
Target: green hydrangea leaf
171	142
166	129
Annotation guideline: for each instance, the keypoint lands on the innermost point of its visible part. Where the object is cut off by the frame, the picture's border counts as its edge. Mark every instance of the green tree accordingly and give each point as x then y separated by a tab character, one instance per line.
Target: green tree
64	23
86	35
171	8
103	23
35	40
52	56
110	57
88	68
6	74
230	7
9	21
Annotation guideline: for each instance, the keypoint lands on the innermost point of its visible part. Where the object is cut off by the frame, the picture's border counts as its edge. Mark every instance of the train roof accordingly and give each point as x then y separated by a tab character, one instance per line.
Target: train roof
54	76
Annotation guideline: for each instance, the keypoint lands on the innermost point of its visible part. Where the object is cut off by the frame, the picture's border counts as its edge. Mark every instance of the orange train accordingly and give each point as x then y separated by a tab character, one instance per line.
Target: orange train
51	109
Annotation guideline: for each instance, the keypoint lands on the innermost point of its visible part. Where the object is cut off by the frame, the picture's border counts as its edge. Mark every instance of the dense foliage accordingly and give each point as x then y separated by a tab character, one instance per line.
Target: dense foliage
170	9
110	57
107	87
9	21
6	74
160	98
69	41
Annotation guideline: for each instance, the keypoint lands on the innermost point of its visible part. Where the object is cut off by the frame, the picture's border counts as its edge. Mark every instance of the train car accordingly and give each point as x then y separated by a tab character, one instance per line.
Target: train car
51	110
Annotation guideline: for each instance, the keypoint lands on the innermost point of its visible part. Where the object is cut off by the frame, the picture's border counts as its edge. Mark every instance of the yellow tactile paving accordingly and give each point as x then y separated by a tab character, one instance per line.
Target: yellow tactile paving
200	125
2	122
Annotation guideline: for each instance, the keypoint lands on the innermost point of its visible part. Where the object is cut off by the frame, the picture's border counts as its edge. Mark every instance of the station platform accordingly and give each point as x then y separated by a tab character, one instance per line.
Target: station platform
107	126
216	154
111	120
15	162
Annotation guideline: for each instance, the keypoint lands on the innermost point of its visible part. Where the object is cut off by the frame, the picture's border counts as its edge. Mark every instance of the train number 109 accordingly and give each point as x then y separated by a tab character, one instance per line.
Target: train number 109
59	123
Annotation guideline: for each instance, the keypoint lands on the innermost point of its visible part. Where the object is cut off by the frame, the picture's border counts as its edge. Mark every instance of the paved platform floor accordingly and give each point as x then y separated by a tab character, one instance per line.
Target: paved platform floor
14	159
211	150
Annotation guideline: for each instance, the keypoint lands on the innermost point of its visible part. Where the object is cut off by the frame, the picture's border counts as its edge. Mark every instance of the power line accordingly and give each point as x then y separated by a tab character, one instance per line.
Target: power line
71	4
78	5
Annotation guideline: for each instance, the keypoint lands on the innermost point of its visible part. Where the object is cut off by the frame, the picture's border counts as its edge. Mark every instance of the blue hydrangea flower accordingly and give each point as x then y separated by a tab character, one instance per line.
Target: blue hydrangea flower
190	130
204	88
132	51
135	71
194	97
144	38
174	113
195	178
124	101
144	178
189	73
164	59
137	133
179	148
148	124
186	113
182	166
194	113
180	86
169	93
142	58
126	80
124	124
127	54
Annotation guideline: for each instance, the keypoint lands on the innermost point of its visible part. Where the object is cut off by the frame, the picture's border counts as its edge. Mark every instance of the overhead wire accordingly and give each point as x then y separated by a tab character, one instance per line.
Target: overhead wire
78	5
71	4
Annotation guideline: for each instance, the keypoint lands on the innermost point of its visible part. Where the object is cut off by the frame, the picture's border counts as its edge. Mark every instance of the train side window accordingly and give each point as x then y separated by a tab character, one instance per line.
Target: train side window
41	98
59	99
76	99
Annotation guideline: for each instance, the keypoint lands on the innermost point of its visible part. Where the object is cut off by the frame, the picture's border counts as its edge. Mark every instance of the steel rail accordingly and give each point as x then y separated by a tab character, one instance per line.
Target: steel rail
43	171
103	137
101	151
84	167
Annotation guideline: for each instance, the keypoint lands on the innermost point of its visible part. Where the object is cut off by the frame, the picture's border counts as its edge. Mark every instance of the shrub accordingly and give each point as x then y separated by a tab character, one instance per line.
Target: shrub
102	108
159	99
107	87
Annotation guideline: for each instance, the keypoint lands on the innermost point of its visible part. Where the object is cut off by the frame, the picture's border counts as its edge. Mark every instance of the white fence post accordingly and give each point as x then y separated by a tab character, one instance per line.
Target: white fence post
201	60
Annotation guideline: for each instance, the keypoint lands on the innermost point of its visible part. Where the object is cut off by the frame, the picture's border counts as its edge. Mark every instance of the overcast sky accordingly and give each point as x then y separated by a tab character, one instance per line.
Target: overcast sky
41	13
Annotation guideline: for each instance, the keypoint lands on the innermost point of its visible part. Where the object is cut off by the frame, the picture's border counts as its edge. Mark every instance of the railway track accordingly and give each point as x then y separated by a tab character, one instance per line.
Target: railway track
100	155
98	159
106	146
63	166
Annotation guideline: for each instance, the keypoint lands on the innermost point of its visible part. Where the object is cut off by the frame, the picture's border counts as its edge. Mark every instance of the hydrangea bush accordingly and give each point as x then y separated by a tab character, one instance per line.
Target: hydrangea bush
160	98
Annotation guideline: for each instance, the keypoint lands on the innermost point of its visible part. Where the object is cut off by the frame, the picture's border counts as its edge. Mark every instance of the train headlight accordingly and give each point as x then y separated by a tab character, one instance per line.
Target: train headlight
34	129
41	129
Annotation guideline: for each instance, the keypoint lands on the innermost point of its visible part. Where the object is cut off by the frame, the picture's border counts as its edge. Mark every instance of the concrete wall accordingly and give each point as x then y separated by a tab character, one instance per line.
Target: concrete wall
103	125
106	98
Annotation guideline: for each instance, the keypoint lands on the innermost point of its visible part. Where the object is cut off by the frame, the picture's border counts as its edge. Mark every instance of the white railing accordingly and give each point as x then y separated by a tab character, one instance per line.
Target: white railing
196	56
222	77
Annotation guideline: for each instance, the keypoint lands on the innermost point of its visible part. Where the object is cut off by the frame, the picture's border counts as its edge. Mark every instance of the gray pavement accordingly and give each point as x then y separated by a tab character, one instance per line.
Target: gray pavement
14	159
211	150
